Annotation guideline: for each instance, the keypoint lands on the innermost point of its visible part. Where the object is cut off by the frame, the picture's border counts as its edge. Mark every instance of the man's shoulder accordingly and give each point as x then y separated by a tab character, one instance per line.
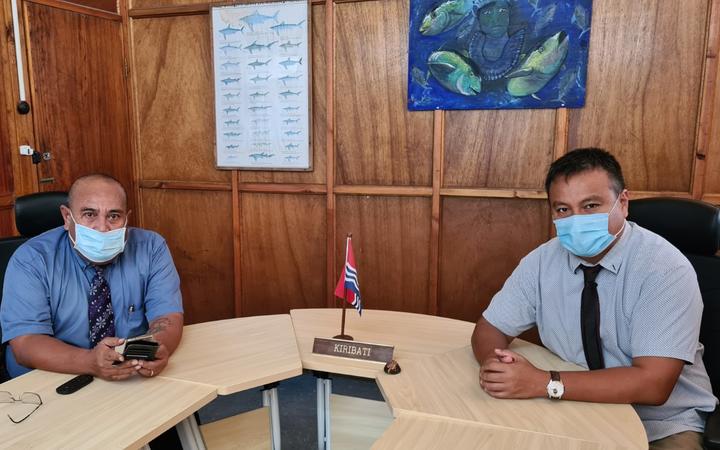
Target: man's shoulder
143	236
647	247
142	241
46	244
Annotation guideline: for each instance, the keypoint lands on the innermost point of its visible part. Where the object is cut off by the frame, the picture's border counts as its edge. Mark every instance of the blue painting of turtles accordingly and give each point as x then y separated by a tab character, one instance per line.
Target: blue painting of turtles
498	54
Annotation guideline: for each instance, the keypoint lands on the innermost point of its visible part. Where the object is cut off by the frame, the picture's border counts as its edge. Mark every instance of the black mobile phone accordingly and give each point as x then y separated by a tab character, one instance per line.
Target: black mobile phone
139	347
74	384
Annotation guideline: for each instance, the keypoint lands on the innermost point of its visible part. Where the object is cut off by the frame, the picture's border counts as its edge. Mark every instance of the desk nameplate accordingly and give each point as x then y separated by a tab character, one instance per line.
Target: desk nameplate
353	349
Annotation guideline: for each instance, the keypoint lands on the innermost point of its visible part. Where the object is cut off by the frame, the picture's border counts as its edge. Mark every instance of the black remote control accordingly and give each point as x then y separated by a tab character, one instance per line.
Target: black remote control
74	384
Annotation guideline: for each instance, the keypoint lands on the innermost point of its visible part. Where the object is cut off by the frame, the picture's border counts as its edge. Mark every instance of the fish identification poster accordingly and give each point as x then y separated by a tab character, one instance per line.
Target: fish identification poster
262	86
498	54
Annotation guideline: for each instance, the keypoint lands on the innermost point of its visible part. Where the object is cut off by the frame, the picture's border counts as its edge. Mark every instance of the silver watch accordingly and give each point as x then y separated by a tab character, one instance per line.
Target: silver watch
555	388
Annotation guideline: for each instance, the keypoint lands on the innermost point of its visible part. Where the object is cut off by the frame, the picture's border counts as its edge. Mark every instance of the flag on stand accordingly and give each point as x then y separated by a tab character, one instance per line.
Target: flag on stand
348	282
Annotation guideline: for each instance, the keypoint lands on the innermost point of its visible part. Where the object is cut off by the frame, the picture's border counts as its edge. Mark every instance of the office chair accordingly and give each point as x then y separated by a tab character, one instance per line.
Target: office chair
34	214
694	228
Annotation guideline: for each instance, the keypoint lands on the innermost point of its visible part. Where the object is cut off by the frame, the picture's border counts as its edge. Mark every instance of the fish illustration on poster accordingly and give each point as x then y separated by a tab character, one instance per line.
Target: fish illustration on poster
262	86
498	54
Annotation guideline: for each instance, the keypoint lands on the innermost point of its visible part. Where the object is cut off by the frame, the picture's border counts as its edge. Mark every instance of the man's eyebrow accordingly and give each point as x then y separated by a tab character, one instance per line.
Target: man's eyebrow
87	208
593	197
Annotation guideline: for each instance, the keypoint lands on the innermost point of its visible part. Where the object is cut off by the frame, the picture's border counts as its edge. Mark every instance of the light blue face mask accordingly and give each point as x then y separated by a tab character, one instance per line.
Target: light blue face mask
97	246
586	235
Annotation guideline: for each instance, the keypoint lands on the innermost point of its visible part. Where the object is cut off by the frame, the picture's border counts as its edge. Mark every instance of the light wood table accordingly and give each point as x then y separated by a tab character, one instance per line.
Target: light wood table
439	381
415	336
447	386
425	432
107	415
238	354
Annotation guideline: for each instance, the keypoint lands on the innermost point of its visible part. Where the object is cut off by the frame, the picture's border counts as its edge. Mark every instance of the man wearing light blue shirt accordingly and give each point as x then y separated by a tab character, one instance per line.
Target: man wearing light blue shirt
50	282
639	331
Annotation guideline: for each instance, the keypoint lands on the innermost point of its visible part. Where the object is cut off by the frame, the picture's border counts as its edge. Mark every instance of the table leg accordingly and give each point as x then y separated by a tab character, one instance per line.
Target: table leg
189	433
324	389
270	399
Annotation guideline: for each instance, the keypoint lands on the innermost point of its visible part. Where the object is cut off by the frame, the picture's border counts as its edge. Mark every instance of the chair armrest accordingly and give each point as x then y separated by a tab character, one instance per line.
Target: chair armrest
711	437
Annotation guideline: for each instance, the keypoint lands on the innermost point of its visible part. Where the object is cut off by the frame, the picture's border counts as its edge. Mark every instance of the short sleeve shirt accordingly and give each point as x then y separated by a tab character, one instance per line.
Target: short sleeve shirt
47	286
650	305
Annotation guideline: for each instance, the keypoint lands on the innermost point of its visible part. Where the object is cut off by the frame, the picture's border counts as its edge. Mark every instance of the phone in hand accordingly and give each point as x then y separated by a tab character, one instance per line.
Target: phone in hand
139	347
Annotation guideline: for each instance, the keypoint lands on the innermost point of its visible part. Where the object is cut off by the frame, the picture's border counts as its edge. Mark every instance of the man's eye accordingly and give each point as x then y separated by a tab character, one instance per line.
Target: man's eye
591	206
561	210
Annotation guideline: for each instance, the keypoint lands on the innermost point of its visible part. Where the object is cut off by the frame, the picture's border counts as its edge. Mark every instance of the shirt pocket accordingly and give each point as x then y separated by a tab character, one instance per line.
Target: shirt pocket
135	321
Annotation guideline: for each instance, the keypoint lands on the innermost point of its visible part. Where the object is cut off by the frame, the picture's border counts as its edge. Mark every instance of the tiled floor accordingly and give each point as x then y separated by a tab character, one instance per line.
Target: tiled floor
297	398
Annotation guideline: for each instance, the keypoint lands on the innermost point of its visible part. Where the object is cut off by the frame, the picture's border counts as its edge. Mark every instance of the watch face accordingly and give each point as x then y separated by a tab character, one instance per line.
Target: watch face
555	389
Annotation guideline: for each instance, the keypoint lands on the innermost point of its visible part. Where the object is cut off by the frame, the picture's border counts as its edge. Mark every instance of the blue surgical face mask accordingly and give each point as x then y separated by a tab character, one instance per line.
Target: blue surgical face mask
586	235
97	246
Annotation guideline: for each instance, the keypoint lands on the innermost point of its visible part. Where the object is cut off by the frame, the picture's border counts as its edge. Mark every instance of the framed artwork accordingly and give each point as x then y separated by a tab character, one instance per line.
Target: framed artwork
498	54
262	86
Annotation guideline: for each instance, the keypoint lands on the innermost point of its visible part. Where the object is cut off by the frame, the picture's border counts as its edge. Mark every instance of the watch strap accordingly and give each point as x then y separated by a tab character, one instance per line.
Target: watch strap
554	375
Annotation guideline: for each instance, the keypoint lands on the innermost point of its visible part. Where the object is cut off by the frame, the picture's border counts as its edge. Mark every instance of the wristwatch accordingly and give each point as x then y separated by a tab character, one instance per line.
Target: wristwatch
555	388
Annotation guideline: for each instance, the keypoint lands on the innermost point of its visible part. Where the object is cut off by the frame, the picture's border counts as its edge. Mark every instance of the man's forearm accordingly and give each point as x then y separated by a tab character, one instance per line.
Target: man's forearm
648	382
39	351
486	338
167	330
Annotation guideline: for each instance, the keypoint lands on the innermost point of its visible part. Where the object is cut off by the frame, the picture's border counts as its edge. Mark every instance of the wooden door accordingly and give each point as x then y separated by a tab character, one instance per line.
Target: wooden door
77	89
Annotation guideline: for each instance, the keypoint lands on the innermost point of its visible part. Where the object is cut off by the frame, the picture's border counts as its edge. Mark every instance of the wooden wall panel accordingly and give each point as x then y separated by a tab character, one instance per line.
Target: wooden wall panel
644	87
174	99
712	161
79	95
282	252
136	4
378	141
482	242
319	115
103	5
198	229
7	221
644	83
498	149
391	240
8	100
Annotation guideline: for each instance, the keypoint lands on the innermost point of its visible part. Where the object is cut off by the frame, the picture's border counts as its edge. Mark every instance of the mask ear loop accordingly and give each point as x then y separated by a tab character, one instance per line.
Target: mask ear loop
70	235
613	208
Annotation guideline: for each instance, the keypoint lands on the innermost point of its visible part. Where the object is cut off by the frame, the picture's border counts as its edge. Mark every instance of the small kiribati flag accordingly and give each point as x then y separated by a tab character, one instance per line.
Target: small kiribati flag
348	283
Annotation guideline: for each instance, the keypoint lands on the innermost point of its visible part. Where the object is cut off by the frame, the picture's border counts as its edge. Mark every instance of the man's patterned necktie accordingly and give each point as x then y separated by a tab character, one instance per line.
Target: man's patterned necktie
100	312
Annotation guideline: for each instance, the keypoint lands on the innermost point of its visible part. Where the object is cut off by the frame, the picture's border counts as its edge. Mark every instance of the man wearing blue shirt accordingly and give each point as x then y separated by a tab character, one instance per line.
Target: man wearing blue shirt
75	292
610	296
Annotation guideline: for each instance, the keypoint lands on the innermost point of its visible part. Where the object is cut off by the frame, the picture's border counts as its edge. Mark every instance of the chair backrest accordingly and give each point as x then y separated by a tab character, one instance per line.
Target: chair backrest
34	214
39	212
694	228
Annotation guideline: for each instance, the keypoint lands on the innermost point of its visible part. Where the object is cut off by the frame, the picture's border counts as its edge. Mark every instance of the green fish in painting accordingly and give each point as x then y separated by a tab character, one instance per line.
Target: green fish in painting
445	16
454	73
539	67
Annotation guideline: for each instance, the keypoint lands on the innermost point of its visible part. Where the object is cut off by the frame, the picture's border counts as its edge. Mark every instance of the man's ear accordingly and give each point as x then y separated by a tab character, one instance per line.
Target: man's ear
65	211
625	202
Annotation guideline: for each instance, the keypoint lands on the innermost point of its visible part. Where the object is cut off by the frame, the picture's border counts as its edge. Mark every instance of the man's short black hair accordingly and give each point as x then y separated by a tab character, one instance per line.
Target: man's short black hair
584	159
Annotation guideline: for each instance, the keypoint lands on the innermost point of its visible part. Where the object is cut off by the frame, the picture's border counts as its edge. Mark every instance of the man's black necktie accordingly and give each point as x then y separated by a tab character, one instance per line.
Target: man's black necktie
100	311
590	319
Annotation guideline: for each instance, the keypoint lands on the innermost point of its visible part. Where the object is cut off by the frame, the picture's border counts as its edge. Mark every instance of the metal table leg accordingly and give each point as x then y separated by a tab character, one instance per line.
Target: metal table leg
270	399
189	433
324	389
